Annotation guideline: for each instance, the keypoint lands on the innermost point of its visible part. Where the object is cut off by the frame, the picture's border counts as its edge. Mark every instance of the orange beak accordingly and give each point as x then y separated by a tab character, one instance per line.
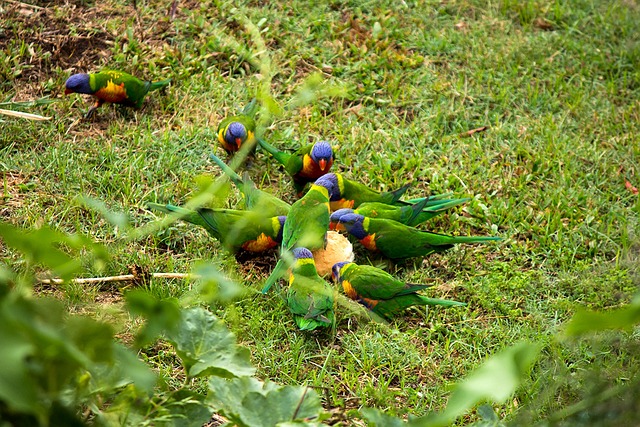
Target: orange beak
238	142
67	91
337	226
323	164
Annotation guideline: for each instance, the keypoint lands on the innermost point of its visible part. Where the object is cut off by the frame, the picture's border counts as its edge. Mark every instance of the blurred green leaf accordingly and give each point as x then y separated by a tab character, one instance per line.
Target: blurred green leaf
207	347
119	219
43	246
249	402
585	321
213	286
162	315
376	418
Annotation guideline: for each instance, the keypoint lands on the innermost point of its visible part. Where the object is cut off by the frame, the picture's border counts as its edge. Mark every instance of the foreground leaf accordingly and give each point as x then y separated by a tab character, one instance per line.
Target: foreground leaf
623	318
250	402
207	347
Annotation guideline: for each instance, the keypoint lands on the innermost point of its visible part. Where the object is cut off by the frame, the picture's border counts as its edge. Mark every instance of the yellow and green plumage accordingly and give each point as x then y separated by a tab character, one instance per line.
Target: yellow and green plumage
408	214
309	297
379	291
112	86
304	165
395	240
306	226
234	229
254	198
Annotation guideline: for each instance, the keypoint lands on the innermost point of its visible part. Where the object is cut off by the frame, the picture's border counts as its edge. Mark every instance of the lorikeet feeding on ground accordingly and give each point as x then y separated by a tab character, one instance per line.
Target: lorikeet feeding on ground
306	225
112	86
309	297
379	291
407	214
395	240
304	165
254	198
235	131
351	194
236	230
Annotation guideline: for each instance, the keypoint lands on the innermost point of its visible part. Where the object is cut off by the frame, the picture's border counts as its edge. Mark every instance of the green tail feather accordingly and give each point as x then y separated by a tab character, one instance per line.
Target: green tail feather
193	217
278	271
159	84
399	192
473	239
280	156
233	176
390	308
417	210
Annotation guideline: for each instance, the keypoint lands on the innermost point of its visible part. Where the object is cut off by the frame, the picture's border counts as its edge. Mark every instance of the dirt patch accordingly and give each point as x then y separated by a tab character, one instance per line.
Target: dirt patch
42	39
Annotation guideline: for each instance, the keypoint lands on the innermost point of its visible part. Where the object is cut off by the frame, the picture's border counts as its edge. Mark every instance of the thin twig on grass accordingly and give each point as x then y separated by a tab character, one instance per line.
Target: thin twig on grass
120	278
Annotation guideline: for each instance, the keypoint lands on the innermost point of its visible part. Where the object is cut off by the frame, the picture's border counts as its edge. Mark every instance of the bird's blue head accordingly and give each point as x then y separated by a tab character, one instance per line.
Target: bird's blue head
299	253
335	216
78	83
322	154
353	223
330	182
335	270
236	134
281	220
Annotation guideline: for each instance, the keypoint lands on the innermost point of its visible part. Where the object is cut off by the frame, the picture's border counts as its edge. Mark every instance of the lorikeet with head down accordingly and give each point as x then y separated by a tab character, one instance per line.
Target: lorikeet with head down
379	291
304	165
407	214
309	297
351	194
306	225
254	198
235	131
395	240
112	86
234	229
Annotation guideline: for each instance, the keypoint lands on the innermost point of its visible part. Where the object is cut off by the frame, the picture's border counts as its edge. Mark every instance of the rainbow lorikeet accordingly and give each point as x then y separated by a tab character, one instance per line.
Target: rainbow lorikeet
395	240
304	165
306	225
235	131
408	214
254	198
351	194
379	291
235	229
112	86
309	297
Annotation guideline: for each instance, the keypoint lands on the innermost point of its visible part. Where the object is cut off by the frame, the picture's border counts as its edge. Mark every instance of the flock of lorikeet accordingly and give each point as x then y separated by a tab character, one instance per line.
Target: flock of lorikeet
380	221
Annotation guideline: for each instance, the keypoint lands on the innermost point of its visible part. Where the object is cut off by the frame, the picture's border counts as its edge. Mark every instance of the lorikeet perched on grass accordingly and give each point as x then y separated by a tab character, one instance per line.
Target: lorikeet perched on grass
379	291
235	229
304	165
306	225
395	240
254	198
235	131
112	86
408	214
309	297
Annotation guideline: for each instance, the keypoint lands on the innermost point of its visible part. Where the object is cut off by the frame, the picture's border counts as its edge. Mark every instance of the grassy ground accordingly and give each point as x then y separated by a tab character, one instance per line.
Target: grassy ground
553	87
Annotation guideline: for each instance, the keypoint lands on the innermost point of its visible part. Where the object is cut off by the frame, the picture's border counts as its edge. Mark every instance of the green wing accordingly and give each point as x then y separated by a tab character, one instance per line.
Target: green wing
310	299
374	283
308	220
398	241
135	88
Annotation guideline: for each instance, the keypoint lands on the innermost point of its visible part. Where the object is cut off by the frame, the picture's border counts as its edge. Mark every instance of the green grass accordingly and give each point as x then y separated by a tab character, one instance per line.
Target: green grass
557	84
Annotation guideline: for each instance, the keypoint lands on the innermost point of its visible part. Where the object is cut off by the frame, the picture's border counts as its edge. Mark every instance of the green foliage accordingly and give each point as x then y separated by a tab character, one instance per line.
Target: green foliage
206	347
248	402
